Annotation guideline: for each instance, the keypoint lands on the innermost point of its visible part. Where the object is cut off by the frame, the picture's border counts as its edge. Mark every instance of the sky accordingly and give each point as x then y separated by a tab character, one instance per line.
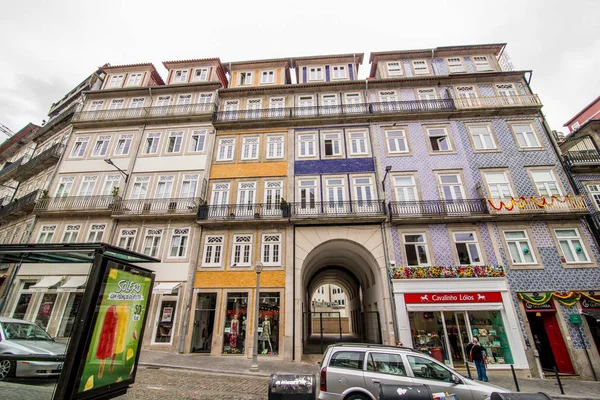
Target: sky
47	49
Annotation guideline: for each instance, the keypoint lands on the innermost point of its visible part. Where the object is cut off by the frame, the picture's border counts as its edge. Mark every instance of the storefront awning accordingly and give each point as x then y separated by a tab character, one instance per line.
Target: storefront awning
165	287
46	283
74	283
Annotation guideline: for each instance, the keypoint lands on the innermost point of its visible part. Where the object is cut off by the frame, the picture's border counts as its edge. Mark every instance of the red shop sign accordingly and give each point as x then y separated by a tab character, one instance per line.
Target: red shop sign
465	297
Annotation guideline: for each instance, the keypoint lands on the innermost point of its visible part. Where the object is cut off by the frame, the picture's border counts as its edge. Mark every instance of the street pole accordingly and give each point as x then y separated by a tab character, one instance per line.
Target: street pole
254	366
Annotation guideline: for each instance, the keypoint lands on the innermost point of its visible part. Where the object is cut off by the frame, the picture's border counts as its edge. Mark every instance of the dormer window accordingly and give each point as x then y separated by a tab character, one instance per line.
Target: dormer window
315	74
267	77
394	68
116	81
339	72
201	74
482	63
180	76
455	65
420	67
246	78
134	79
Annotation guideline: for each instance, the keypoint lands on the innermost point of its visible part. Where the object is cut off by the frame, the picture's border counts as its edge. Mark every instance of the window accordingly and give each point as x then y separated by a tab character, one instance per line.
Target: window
242	250
275	145
276	107
96	105
205	98
96	232
101	146
427	369
394	68
184	99
415	246
246	78
271	249
467	248
140	187
329	100
387	97
220	194
46	234
246	192
189	186
315	73
571	245
267	77
335	192
64	186
439	139
152	242
594	192
87	186
306	145
134	79
451	187
519	247
498	185
482	137
116	104
163	101
427	94
363	191
115	81
213	250
339	72
230	109
307	192
164	187
200	74
347	360
253	107
420	67
180	76
352	99
482	63
71	232
507	90
225	149
179	242
455	65
332	144
386	363
197	141
467	96
358	143
127	238
526	137
175	139
80	146
151	145
405	188
124	144
273	197
250	148
396	141
575	126
110	182
545	182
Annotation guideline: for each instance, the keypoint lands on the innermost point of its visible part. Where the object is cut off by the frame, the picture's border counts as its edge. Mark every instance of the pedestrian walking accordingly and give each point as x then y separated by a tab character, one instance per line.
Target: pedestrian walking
477	355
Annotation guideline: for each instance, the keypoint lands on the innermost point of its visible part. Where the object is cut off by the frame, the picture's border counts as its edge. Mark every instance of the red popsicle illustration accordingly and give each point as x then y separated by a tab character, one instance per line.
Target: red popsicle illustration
123	325
106	342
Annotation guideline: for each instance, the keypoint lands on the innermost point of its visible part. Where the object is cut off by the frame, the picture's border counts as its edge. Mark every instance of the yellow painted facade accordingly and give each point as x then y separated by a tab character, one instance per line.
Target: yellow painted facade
246	170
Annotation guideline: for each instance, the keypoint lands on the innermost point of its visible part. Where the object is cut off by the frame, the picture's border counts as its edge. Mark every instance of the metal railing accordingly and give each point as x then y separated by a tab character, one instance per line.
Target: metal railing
41	161
19	204
243	211
537	205
8	171
145	112
187	205
582	158
413	106
315	209
428	208
497	101
77	203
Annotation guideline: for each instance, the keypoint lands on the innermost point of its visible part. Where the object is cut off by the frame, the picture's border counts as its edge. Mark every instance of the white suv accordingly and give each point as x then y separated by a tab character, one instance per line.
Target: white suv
353	371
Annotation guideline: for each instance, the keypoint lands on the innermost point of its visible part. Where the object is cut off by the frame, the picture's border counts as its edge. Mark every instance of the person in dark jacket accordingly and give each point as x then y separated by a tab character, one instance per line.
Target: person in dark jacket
477	355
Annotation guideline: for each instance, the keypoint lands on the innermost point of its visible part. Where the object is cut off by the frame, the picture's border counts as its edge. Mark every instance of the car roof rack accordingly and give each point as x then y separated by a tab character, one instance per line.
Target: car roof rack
372	345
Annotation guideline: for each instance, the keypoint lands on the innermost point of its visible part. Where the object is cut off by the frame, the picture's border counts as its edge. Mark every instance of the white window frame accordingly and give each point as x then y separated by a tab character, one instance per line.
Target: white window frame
388	96
241	252
134	79
153	237
179	242
200	77
275	146
405	189
246	78
593	190
96	232
96	105
175	142
70	234
65	185
503	189
520	244
164	187
107	188
338	72
87	185
116	81
153	148
358	143
128	235
192	182
481	136
398	138
525	137
315	73
246	194
198	141
569	242
420	67
458	184
104	142
267	76
80	146
306	145
220	193
455	65
482	63
116	104
546	184
124	144
468	244
431	137
213	251
425	94
423	244
144	183
163	101
271	247
336	144
184	100
180	76
46	233
394	68
226	149
250	148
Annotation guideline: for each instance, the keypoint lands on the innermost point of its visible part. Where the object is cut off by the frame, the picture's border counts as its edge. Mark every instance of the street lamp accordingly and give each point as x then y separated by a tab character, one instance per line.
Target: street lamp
387	171
254	367
110	162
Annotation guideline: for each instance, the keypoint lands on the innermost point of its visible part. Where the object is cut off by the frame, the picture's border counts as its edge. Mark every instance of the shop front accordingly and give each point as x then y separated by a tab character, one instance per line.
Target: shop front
442	316
591	311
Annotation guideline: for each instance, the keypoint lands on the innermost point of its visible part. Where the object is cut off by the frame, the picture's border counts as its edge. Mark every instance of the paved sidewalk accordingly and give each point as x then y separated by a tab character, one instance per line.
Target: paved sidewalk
240	365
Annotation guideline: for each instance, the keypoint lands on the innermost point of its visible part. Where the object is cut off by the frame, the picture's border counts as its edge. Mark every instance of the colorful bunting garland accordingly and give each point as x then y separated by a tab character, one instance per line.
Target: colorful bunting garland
522	201
566	298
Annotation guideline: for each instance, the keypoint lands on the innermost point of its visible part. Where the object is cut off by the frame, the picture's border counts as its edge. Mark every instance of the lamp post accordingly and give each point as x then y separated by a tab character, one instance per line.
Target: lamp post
254	367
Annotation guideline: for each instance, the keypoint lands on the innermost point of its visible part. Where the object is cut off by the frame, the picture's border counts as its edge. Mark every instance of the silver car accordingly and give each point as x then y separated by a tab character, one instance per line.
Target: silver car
24	337
354	371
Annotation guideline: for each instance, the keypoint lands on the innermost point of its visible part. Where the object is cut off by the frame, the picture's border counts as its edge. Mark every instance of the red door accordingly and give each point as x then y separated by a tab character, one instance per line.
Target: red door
561	355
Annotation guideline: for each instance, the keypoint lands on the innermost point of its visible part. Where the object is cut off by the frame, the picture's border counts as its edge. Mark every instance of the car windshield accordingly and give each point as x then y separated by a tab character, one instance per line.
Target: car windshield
22	331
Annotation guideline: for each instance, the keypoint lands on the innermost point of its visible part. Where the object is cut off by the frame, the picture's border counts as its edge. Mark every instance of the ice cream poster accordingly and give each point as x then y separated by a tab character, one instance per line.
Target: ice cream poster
116	337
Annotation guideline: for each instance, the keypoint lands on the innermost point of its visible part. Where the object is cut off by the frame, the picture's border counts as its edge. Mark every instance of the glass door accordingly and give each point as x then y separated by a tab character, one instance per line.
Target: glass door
204	322
458	337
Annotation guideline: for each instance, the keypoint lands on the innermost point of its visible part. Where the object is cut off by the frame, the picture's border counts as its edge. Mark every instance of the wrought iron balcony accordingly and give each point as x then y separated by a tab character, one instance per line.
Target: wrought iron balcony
145	113
76	204
147	207
412	106
582	159
328	209
40	162
437	209
20	206
525	100
9	170
250	211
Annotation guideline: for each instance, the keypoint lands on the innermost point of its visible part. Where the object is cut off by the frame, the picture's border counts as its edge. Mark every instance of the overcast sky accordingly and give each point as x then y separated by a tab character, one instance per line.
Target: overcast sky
45	50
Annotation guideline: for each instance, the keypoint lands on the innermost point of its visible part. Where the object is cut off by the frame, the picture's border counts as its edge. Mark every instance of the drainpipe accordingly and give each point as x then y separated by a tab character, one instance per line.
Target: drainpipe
354	67
294	297
432	58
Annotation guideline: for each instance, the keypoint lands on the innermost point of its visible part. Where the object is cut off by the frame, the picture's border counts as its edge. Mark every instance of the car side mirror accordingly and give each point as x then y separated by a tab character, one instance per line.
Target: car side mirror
456	380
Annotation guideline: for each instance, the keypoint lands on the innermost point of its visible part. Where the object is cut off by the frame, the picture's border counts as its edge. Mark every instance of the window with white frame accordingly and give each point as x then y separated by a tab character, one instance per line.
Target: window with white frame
335	191
116	81
482	137
420	67
213	251
339	72
127	238
467	96
276	106
225	149
519	247
405	188
64	186
250	148
116	104
415	246
230	108
80	146
200	74
358	143
71	232
87	186
46	234
271	249
140	187
363	191
388	96
245	78
242	250
96	105
329	100
332	144
450	186
124	144
179	242
439	139
594	192
189	186
198	141
101	146
152	141
267	77
306	145
506	90
396	141
175	140
180	76
307	190
545	182
571	245
163	101
498	184
467	248
273	194
164	187
275	146
220	194
526	136
184	99
134	79
352	99
152	242
482	63
427	94
96	233
246	192
394	68
110	183
253	107
315	73
455	65
205	98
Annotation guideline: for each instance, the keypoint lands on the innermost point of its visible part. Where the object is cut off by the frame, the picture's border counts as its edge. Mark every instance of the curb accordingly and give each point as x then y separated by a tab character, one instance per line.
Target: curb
215	371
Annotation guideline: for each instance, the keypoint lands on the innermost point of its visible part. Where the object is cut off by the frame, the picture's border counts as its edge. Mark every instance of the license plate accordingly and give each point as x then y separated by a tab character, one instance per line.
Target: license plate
59	367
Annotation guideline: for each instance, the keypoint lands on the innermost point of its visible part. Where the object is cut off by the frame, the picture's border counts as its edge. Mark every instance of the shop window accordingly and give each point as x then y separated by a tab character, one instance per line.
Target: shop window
165	319
45	311
23	301
467	248
234	334
428	335
268	323
488	327
68	319
390	364
427	369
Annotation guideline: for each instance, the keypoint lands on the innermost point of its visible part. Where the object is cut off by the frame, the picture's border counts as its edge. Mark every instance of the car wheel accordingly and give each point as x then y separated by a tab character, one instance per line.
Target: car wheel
357	397
7	368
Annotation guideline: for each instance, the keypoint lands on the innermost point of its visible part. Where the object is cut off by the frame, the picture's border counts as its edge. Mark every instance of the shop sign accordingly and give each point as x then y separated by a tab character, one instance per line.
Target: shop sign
546	307
586	303
465	297
575	319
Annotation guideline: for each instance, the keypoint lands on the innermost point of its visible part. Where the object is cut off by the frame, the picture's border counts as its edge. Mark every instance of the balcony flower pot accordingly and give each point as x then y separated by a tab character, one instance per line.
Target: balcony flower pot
203	211
286	209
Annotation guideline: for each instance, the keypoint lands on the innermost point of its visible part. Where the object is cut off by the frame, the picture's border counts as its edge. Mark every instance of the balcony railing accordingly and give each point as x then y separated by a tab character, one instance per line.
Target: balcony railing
188	206
438	208
411	106
497	101
356	208
77	203
145	112
243	211
40	162
10	170
20	206
537	205
582	158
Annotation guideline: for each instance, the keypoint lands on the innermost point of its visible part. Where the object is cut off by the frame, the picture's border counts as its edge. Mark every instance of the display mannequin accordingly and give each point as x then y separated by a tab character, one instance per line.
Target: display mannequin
266	335
233	333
